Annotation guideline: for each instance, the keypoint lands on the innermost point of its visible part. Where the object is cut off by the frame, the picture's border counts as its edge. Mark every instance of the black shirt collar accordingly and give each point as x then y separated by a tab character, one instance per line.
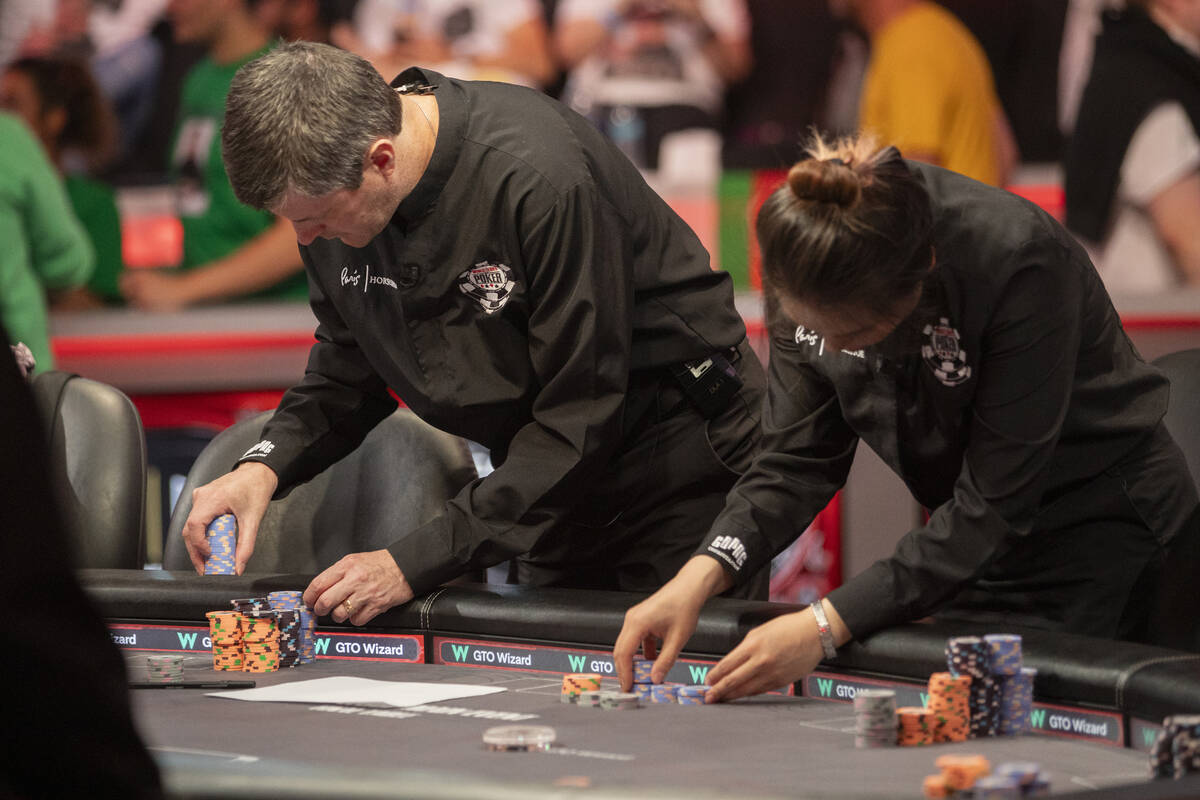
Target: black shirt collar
452	126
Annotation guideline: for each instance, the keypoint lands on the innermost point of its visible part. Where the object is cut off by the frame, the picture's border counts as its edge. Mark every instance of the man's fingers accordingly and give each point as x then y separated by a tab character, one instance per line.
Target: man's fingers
735	684
732	660
246	537
315	596
667	654
626	646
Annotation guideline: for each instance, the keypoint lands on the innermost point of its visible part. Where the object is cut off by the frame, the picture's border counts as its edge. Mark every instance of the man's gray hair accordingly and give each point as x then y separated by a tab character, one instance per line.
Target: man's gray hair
301	118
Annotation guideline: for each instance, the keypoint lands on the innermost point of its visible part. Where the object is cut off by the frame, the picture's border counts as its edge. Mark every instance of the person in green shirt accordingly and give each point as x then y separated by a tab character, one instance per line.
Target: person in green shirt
44	246
229	250
61	103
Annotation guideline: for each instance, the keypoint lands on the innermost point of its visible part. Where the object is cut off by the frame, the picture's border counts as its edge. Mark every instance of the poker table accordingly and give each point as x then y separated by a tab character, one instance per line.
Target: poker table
1097	707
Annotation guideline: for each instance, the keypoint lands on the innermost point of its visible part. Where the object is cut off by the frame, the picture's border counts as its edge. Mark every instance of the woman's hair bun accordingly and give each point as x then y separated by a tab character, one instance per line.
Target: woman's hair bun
825	181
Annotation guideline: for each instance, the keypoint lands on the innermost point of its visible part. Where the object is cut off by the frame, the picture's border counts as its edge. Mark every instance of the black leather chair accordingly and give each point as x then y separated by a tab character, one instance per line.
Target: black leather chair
399	478
97	460
1183	412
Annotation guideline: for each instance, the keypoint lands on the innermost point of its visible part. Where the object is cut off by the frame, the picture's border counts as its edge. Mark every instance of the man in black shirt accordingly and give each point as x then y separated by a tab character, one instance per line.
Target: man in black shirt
964	336
490	257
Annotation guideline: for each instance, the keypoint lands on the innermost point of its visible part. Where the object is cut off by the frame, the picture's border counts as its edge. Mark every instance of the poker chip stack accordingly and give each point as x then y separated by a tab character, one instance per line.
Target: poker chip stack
641	678
308	635
664	692
956	773
915	726
619	701
950	705
1028	775
1014	683
971	655
1016	702
874	718
225	631
575	684
1176	751
222	543
164	669
260	641
291	627
691	695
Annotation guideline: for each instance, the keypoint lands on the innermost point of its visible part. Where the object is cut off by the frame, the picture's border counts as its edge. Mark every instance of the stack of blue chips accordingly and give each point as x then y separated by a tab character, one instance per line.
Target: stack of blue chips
222	544
663	692
642	683
691	695
971	655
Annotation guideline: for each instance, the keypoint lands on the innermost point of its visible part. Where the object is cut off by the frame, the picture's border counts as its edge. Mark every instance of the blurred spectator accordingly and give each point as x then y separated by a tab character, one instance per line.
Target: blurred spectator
1022	40
302	20
798	47
502	40
127	60
929	89
650	72
17	18
1133	163
63	106
229	250
44	246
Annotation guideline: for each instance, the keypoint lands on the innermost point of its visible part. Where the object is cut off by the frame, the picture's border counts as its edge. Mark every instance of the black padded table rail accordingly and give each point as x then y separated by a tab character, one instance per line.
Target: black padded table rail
1142	682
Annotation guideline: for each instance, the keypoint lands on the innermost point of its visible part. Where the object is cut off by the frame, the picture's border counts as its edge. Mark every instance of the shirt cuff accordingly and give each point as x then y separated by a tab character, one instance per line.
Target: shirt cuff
424	557
739	551
866	602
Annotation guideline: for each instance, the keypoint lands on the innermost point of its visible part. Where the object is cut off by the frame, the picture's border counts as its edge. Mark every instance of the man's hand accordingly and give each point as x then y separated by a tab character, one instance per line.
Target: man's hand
772	655
245	493
371	582
668	615
152	290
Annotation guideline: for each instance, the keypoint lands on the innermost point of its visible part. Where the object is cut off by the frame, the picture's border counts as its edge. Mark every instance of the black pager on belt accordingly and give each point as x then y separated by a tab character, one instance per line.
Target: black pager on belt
709	383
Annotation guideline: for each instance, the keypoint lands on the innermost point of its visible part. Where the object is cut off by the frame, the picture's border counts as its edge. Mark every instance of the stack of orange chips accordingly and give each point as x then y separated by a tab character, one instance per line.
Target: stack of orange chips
956	774
916	726
224	629
260	641
576	684
949	702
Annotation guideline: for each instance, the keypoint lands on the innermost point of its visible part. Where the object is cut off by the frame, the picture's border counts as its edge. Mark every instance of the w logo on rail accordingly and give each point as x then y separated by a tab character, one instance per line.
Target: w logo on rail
699	674
577	663
460	651
825	687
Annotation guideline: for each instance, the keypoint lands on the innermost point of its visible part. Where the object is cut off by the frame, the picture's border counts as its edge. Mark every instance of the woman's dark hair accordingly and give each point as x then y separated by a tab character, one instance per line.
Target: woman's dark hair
67	84
851	227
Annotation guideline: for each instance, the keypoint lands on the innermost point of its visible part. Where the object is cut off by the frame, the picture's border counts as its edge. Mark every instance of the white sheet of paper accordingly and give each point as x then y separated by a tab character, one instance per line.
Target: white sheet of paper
343	690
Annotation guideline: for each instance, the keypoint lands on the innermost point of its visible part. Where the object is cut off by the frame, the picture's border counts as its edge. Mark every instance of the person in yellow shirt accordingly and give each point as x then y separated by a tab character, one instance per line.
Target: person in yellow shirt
929	90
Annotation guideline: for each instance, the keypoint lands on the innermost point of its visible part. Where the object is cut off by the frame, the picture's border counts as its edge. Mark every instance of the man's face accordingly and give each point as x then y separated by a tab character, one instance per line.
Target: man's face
1185	14
355	216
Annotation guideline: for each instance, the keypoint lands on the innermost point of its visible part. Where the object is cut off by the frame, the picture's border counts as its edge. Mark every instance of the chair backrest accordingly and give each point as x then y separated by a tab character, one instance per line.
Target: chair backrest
399	478
1183	411
97	453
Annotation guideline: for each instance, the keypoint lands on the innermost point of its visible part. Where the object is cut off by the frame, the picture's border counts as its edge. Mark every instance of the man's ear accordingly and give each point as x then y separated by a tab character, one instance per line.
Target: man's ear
381	156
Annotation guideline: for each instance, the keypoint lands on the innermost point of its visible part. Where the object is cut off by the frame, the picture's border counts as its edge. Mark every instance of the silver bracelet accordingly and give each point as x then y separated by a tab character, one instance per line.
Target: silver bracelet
823	630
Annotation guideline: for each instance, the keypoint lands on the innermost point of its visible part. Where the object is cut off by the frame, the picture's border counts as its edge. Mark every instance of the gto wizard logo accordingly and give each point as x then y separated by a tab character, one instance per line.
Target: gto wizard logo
489	284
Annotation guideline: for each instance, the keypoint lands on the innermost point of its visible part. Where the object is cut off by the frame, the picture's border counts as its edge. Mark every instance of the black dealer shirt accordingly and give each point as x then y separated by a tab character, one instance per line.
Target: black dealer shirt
515	289
1012	384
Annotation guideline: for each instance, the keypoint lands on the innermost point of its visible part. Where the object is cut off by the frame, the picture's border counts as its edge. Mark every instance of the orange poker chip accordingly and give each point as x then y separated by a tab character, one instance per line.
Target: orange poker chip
934	786
961	771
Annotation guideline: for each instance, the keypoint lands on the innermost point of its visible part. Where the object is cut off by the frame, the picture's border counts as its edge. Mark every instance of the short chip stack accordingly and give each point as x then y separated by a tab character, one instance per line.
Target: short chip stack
642	682
691	695
164	669
575	684
222	544
619	701
225	631
915	728
956	773
874	718
663	692
249	604
260	641
1176	751
1016	702
1028	775
950	704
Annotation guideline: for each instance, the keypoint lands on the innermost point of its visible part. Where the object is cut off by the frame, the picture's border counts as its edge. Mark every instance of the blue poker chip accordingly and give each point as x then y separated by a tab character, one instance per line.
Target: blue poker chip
663	693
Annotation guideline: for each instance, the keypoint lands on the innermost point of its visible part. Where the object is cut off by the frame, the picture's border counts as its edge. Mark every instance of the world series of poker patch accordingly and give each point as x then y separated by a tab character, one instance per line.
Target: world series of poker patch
943	353
488	284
